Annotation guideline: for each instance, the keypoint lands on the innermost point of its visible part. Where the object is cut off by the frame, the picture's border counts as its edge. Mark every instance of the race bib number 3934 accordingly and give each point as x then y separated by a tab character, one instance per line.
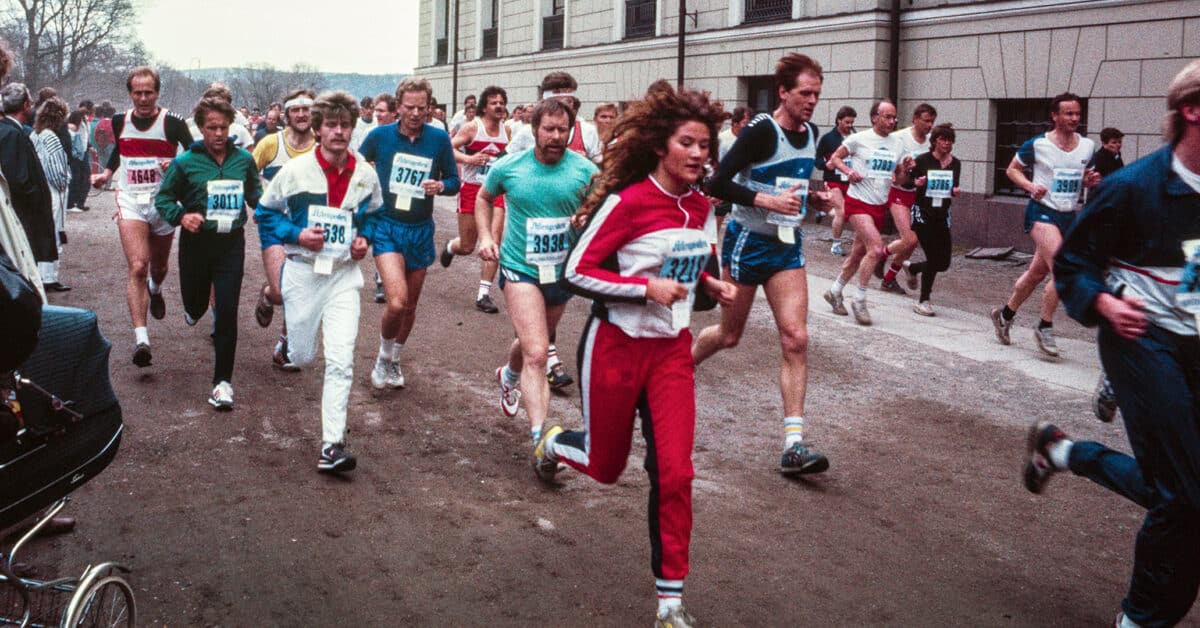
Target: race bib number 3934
547	241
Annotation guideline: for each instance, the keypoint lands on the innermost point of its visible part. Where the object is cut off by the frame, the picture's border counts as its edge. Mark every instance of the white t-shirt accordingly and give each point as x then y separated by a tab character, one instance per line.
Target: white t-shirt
874	157
1061	173
523	140
725	138
1189	177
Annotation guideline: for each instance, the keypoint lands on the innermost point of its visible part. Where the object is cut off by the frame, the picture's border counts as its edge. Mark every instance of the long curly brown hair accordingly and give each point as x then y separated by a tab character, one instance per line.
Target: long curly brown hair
643	130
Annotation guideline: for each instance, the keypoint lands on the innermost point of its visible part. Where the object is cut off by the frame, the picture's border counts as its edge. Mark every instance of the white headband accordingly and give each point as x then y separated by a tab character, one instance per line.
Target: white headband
300	101
555	93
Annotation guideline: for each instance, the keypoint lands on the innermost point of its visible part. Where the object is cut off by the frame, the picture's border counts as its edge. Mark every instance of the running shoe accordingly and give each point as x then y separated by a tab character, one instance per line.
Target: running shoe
158	307
545	465
890	285
835	302
838	248
380	297
510	396
141	355
334	459
188	320
558	377
446	257
484	304
1104	402
395	378
379	374
1045	340
676	618
1002	326
910	278
1038	468
264	311
861	315
282	359
800	460
924	308
222	397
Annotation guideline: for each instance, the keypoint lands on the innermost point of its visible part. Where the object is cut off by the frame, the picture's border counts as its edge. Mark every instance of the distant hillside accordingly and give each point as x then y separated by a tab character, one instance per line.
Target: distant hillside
356	84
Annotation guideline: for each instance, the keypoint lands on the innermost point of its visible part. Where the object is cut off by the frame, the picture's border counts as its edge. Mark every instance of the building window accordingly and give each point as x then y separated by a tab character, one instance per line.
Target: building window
639	18
1018	120
761	93
552	26
490	30
441	26
768	10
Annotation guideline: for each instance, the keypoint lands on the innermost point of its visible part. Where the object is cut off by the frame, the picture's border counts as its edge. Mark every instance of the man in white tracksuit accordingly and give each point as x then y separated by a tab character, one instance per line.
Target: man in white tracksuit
325	198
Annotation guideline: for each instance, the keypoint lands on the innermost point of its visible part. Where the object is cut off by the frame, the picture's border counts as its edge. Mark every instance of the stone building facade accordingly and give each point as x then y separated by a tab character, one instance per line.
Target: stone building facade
988	66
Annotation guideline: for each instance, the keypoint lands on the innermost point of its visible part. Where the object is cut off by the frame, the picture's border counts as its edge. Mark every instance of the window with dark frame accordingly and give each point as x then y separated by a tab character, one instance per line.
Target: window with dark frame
490	31
442	44
761	93
768	10
640	16
1017	121
552	26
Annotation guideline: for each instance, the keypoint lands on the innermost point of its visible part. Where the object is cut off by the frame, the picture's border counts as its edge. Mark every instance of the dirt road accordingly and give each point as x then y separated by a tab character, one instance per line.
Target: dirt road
921	520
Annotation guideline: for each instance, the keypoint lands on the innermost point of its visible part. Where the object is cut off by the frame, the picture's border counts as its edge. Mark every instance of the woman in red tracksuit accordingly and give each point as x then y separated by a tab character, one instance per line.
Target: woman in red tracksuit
641	257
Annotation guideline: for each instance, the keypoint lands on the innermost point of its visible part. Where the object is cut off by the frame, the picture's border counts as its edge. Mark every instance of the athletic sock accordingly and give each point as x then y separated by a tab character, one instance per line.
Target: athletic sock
1125	622
536	433
386	347
551	356
837	286
890	275
396	348
793	430
860	294
484	288
1060	454
154	287
1008	313
1045	324
450	246
510	378
141	336
670	595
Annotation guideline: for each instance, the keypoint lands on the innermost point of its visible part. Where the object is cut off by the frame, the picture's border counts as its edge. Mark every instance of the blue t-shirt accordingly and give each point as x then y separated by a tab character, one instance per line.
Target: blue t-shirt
381	146
534	190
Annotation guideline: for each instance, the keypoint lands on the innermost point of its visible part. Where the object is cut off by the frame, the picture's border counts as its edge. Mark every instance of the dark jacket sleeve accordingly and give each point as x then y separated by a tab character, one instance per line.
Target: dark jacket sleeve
30	192
1089	243
755	143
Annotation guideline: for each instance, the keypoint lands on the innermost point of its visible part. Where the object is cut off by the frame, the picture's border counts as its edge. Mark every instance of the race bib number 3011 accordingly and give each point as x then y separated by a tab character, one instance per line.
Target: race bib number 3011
225	200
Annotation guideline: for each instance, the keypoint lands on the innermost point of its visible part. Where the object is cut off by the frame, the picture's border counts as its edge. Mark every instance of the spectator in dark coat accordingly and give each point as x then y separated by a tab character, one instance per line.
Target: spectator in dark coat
20	166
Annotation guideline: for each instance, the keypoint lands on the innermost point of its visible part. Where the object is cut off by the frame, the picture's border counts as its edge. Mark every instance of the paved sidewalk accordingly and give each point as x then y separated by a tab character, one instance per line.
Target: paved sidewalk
968	334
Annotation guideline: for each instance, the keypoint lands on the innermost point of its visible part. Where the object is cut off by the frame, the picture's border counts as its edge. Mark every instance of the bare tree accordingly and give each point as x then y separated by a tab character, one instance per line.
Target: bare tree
258	85
64	40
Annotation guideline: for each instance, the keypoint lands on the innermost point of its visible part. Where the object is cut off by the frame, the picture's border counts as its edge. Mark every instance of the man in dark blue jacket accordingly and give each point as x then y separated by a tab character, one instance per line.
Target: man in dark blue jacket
1131	264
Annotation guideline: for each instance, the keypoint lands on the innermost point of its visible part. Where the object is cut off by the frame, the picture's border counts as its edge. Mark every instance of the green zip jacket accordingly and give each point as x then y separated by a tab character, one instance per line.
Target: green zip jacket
185	187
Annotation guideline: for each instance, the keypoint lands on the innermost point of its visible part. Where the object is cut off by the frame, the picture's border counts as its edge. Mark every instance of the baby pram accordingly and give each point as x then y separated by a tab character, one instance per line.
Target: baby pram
63	427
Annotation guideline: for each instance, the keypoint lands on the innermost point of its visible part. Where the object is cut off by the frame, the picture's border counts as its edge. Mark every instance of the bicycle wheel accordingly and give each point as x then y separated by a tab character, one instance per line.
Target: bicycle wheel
108	602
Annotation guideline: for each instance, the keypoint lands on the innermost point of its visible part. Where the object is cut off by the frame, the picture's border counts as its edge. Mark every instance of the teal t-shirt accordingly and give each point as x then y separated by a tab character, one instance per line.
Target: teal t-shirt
540	201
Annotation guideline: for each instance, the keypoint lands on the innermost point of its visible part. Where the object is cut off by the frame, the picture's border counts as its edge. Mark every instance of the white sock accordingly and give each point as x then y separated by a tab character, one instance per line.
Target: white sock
670	595
484	288
141	336
551	357
153	286
860	294
386	347
793	430
536	433
510	378
1060	454
837	286
450	246
1126	622
396	351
